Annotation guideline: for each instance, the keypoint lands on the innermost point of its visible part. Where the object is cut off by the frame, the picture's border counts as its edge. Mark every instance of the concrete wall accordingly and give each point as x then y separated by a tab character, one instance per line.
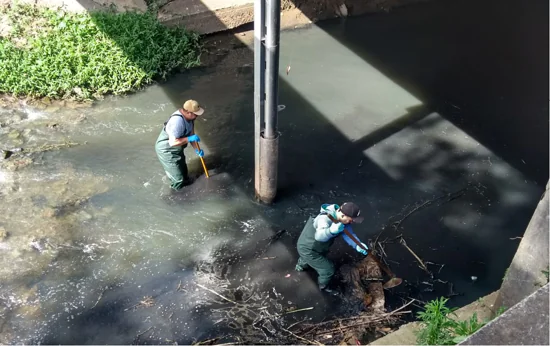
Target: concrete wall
525	274
526	323
526	320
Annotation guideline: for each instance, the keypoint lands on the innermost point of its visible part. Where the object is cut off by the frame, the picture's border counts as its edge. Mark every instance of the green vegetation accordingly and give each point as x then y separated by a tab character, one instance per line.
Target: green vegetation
83	56
505	273
439	329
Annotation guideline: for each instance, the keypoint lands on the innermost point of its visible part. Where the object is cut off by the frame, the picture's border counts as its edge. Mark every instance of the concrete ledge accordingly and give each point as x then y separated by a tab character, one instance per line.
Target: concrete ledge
203	20
526	323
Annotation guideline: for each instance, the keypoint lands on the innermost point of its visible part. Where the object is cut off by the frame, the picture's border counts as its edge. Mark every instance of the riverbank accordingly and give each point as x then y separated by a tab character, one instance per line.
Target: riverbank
57	54
210	16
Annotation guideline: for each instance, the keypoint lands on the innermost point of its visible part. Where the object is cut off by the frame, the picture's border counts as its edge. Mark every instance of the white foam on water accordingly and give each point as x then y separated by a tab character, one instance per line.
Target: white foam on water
6	177
34	114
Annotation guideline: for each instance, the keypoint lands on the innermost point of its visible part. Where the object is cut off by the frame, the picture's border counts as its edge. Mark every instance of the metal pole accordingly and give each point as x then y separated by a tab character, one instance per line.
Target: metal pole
266	79
259	84
273	21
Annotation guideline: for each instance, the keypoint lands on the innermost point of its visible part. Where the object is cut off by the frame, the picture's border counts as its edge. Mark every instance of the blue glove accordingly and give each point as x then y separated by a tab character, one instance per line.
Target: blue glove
336	228
361	250
200	153
193	138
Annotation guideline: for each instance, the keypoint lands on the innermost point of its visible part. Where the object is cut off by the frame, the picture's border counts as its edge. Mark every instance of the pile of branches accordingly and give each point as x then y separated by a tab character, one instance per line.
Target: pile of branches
338	330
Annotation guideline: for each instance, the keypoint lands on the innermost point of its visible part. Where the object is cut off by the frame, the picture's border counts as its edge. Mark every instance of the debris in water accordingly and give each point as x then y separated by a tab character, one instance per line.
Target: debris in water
474	278
38	245
3	233
99	298
141	334
216	293
297	310
339	329
287	69
287	275
180	287
147	302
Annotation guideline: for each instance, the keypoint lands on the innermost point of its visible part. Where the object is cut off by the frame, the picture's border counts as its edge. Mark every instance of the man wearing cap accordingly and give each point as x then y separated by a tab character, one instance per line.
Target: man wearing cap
177	132
319	234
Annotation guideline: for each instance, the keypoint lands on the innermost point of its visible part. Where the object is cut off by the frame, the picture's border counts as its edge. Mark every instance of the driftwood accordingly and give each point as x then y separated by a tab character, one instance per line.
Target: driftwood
365	282
365	278
347	329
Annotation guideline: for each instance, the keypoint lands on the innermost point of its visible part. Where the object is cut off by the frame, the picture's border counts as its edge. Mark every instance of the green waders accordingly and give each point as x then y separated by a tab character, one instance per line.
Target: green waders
313	254
173	161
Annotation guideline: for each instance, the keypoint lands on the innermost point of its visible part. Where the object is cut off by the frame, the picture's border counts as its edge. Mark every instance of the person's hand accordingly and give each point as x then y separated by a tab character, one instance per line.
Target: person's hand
337	228
361	250
193	138
200	153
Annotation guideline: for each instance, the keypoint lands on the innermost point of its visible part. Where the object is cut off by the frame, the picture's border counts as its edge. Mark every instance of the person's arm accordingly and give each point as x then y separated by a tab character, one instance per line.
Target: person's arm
352	243
174	129
327	229
193	144
177	142
348	239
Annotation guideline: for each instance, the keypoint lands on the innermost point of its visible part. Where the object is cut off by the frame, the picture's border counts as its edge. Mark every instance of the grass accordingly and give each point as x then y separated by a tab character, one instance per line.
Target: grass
439	329
84	56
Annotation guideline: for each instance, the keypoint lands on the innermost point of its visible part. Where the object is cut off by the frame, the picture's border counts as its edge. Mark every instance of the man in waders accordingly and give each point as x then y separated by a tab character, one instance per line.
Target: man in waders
177	132
319	234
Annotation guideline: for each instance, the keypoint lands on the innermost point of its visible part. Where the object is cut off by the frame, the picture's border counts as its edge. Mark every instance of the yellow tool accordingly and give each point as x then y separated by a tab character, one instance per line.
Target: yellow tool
202	160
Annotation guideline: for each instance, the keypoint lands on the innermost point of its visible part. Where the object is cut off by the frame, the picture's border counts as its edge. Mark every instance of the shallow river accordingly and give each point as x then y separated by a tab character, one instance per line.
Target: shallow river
99	251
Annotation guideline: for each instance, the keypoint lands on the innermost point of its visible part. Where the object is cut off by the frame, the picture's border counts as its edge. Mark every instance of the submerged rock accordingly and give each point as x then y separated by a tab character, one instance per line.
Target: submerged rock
14	134
21	162
49	212
6	154
39	244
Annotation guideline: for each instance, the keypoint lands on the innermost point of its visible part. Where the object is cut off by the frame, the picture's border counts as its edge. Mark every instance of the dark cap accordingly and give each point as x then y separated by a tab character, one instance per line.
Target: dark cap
351	209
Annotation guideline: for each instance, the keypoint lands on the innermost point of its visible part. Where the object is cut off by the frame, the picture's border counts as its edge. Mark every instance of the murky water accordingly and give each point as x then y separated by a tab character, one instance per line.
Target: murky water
94	231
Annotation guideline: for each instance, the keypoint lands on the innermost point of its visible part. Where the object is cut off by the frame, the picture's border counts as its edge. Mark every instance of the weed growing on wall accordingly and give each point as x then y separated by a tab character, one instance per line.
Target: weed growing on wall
83	56
439	329
437	326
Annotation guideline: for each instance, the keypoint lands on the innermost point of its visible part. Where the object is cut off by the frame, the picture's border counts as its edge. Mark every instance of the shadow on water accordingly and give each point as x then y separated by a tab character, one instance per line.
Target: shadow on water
389	170
474	72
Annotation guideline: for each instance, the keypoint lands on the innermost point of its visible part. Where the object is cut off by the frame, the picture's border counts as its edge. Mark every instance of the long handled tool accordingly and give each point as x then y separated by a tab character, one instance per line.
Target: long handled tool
393	281
202	160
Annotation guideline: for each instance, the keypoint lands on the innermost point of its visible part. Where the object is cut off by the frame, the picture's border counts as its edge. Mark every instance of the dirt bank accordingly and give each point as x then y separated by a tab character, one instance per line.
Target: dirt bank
210	16
293	13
